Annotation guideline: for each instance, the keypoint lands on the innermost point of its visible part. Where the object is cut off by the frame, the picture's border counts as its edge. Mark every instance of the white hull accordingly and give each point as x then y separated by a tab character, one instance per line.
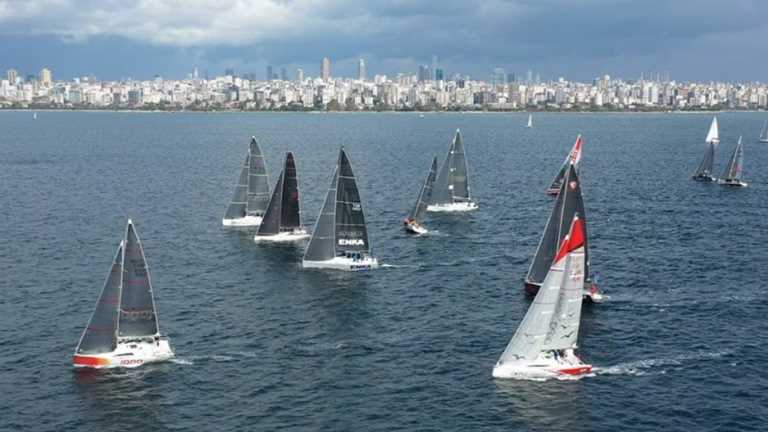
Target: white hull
128	354
343	263
764	140
283	237
414	228
453	207
247	221
544	367
593	296
733	183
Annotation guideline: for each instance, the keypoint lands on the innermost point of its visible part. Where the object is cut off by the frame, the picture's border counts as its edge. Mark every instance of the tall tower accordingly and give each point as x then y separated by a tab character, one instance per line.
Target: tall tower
269	72
46	77
434	67
361	70
12	75
325	69
300	75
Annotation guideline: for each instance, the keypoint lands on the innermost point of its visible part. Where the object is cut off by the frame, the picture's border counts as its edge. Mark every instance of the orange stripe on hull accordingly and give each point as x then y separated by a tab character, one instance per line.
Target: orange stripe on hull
88	361
580	370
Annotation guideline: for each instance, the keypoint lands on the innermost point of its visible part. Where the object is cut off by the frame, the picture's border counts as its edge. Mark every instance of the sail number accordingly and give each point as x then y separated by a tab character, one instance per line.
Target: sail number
351	242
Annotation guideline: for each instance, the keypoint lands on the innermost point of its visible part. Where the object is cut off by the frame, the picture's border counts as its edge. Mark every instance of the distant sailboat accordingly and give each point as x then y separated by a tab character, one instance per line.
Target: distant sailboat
732	174
704	171
34	116
282	220
530	121
544	344
764	133
123	330
340	238
569	203
573	157
412	222
450	192
252	193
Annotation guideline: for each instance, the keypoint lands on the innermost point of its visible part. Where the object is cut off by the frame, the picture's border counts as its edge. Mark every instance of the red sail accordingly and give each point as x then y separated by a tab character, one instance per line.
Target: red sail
574	239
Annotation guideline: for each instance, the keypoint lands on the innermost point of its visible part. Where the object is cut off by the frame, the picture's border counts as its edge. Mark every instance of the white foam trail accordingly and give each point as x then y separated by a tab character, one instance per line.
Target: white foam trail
182	361
648	366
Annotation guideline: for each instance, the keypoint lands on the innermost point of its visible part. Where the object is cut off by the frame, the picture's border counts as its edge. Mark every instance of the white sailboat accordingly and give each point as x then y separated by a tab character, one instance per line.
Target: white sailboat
412	222
123	330
764	133
530	121
704	171
251	196
34	116
340	238
451	192
544	345
732	174
282	220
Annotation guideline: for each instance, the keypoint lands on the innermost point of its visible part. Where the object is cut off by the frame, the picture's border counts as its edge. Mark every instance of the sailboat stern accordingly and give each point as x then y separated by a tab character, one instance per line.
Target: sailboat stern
245	221
546	366
414	228
344	263
298	234
459	206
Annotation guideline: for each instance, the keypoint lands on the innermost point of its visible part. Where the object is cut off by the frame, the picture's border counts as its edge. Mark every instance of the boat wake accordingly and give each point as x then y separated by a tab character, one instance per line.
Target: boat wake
217	358
658	366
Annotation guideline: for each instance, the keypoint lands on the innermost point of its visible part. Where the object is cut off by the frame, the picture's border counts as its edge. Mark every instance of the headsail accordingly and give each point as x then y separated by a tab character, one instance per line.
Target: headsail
530	121
452	182
552	320
321	246
236	208
764	132
138	316
733	170
569	203
351	233
258	181
574	156
100	336
425	194
283	210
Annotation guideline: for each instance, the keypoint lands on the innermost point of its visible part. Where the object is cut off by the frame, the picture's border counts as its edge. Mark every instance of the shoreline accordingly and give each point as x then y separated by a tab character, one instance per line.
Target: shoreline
401	112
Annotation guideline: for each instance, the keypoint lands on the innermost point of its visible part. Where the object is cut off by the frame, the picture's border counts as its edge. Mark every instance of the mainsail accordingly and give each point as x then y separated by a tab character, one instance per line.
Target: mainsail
138	316
764	132
258	181
283	210
530	121
341	225
552	320
733	170
236	208
100	336
574	156
452	183
425	194
569	203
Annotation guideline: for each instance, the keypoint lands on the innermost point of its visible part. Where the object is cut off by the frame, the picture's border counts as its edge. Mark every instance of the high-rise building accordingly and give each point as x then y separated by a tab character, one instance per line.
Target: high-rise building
283	74
498	77
434	67
46	77
269	72
439	74
300	75
361	70
325	69
424	73
12	75
530	76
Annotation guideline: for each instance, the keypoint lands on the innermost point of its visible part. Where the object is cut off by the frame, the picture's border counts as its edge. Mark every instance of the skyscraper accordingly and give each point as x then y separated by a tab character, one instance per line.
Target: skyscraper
300	75
439	74
361	70
325	69
46	77
498	77
425	74
12	75
269	72
434	67
283	74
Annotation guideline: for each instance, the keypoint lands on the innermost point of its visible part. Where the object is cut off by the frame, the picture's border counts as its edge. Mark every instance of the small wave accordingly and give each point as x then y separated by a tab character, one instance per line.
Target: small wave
400	266
182	361
212	357
649	366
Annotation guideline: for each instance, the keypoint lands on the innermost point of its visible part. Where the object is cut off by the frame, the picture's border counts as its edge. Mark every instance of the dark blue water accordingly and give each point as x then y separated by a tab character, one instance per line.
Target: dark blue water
263	345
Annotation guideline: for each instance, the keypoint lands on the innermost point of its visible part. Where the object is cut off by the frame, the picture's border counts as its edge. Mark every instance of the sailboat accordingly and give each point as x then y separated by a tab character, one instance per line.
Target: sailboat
123	330
545	343
251	196
34	116
412	223
573	157
569	203
704	171
450	192
340	238
530	121
282	220
764	133
732	174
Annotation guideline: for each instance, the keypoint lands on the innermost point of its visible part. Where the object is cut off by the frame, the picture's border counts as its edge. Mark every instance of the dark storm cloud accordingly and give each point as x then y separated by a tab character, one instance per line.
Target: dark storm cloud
703	39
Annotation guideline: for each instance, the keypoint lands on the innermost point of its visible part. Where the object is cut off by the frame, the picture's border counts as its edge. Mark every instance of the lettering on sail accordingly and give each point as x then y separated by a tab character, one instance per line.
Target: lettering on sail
351	242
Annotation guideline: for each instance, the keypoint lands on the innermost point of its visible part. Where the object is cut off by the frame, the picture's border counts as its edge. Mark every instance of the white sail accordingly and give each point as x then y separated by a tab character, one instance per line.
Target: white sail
713	136
764	132
530	121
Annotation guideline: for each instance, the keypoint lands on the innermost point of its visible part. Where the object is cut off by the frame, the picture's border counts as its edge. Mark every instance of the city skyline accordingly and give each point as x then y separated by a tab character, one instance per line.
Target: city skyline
715	41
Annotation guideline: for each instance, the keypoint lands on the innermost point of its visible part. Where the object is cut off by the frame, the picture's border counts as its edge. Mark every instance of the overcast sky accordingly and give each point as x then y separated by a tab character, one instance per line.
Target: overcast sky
576	39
